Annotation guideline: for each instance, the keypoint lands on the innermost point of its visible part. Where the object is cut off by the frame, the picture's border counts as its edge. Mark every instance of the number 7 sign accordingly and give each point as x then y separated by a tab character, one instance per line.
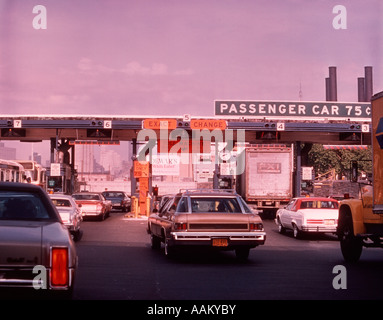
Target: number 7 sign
17	123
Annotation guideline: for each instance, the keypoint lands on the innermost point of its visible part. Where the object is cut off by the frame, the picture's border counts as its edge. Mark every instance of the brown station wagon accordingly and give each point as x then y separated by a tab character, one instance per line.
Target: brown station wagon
218	219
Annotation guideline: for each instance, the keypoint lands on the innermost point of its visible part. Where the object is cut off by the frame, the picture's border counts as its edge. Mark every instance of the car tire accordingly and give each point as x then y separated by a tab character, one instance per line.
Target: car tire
77	235
296	232
281	228
350	245
242	253
155	242
169	250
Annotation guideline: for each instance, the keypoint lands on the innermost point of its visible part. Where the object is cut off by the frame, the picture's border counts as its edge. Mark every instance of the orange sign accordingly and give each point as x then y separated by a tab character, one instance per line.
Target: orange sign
200	124
157	124
140	169
185	146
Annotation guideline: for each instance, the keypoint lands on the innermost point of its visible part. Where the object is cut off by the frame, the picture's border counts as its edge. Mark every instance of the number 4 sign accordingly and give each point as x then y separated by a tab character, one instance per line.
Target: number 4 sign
280	126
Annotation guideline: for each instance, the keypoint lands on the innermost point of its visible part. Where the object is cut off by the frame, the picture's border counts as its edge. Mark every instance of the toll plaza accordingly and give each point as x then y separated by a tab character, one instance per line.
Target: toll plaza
329	123
177	139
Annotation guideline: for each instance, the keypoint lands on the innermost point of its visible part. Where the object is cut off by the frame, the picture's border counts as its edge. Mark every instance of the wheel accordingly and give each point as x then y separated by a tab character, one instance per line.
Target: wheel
296	232
350	245
155	242
281	228
169	250
77	235
242	253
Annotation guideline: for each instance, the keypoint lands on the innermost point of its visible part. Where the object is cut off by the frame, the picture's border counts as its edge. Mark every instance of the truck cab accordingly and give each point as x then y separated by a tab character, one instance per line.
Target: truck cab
360	221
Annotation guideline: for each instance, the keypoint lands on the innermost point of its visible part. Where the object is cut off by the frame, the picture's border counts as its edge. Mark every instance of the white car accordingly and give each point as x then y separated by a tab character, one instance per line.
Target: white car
70	213
308	215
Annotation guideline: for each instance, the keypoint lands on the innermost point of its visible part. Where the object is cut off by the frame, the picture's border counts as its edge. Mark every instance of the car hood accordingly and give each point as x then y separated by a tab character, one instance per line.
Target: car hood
27	243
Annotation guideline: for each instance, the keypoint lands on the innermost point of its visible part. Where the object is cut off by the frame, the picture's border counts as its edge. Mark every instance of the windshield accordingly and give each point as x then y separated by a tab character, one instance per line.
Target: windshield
222	205
22	206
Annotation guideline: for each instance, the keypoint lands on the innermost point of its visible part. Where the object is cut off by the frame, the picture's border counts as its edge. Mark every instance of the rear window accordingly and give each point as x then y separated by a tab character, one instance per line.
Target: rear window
218	205
22	206
86	196
61	202
317	204
113	194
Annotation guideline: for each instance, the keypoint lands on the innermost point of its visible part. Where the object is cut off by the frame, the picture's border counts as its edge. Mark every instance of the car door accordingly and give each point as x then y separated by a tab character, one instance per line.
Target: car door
167	218
287	213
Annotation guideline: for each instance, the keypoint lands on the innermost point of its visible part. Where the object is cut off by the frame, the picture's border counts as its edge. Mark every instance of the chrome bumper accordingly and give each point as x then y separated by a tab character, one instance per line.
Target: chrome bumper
205	238
319	228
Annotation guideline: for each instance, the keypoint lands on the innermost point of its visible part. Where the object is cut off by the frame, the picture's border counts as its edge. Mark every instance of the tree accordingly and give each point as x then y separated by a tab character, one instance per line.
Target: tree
325	160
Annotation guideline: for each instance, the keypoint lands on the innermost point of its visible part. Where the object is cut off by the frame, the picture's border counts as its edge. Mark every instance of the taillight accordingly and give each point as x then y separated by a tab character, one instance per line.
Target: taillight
179	226
59	267
256	226
315	221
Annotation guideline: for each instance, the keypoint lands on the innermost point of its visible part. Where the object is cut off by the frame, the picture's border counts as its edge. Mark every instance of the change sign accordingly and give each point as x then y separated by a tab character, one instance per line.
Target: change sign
291	110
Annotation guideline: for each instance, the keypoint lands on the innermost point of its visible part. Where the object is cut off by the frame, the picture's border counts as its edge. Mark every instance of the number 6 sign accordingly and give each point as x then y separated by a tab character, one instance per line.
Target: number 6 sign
107	124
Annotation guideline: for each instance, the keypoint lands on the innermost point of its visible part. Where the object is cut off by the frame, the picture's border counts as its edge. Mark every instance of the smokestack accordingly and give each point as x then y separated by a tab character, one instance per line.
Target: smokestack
361	93
368	83
333	84
328	89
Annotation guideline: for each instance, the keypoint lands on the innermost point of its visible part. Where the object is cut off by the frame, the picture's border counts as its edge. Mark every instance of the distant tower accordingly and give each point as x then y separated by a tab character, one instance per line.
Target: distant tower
300	91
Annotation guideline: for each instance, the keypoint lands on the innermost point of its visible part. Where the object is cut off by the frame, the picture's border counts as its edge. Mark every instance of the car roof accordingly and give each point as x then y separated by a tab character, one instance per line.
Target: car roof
87	192
63	196
316	199
20	186
112	191
210	193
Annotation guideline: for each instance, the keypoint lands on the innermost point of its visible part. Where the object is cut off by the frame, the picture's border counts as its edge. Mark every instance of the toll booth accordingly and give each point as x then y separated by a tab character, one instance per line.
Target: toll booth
60	178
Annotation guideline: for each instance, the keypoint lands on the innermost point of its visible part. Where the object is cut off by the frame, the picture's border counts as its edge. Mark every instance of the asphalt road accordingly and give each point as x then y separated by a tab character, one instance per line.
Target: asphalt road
116	262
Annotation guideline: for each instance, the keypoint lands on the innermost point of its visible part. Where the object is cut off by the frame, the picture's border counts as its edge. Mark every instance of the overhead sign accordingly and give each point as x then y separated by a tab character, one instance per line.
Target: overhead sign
291	110
55	170
157	124
210	124
94	142
184	146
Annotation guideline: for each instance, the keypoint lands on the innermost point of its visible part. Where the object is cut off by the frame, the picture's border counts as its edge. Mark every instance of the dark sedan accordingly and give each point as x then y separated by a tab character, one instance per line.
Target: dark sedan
120	200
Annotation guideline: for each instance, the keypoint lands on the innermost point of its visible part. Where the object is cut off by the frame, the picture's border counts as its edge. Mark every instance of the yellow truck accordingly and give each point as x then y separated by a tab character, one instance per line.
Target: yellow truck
360	221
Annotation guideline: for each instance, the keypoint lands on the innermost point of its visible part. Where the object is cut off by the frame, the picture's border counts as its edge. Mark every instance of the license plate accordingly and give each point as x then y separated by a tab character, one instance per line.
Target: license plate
329	222
220	242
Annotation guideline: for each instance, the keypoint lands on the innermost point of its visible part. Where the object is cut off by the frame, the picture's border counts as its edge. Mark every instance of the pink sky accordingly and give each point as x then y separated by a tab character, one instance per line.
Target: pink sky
160	57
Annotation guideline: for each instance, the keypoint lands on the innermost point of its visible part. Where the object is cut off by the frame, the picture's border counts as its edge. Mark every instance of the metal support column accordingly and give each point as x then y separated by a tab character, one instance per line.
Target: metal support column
133	181
216	167
298	174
